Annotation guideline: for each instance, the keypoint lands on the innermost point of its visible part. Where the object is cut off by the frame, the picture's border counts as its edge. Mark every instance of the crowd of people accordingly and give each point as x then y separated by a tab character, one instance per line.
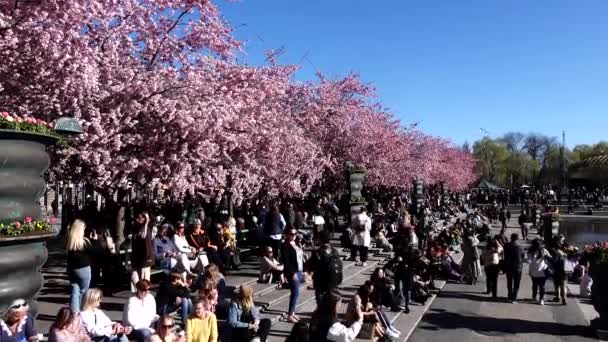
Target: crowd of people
195	257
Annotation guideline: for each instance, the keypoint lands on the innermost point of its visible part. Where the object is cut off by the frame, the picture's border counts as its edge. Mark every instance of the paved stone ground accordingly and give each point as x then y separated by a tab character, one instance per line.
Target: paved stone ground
466	313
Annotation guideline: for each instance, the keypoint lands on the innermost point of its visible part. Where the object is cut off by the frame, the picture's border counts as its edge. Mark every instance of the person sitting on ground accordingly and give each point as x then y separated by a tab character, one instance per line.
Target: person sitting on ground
200	240
164	331
166	254
18	326
68	327
375	321
172	295
140	311
270	268
196	261
97	324
202	326
325	326
245	319
383	286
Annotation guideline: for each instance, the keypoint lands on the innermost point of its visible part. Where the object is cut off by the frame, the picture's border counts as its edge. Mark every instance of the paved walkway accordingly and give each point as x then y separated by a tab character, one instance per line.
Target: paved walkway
466	313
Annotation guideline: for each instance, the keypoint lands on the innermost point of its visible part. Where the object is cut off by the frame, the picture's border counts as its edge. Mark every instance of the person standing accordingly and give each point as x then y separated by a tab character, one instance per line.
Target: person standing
502	216
523	224
293	264
326	267
142	256
274	224
513	267
491	260
470	260
559	272
537	257
79	250
361	238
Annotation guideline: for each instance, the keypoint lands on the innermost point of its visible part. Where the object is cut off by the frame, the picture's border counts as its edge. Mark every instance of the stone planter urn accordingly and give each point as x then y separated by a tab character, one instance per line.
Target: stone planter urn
356	176
23	160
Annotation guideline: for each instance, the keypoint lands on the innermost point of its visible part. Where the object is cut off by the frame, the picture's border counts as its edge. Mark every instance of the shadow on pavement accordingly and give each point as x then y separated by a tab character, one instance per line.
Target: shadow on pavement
484	325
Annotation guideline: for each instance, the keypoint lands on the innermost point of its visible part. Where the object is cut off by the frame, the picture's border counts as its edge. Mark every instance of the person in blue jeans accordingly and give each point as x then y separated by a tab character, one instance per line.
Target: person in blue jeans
293	260
174	295
79	250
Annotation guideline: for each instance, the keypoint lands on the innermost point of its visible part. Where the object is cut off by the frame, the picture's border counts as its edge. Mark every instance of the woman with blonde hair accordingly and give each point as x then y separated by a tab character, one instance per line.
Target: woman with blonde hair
244	318
18	326
97	324
79	250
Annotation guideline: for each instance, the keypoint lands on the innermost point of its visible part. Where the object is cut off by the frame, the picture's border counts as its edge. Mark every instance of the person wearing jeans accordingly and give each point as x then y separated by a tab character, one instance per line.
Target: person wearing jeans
79	250
538	259
245	319
559	273
293	260
174	295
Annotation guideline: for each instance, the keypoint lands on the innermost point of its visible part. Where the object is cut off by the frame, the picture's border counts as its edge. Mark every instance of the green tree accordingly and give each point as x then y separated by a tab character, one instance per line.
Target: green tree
491	157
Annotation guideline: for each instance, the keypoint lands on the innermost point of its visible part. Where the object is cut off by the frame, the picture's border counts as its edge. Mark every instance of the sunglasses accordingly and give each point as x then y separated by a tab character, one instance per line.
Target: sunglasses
167	326
18	306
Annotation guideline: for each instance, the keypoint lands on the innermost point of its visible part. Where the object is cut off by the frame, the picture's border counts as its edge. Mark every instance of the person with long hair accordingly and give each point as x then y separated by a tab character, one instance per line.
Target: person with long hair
79	250
17	325
325	326
245	319
202	326
97	324
68	327
538	258
293	265
142	255
173	295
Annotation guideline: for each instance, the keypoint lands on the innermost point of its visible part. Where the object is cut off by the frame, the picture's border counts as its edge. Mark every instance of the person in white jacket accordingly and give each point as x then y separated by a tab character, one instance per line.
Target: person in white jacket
361	238
537	258
97	324
140	311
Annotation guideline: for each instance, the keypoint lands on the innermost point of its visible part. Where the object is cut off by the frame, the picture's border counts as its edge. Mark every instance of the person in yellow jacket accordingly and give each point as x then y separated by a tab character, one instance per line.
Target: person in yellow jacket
202	326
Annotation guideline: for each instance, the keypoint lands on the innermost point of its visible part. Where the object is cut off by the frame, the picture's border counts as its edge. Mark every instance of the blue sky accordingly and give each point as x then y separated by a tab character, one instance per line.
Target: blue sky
454	66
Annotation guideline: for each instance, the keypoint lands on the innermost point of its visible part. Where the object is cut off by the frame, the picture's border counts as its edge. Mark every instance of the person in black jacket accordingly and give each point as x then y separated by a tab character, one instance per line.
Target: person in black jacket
142	256
292	258
173	295
79	250
326	267
512	267
274	224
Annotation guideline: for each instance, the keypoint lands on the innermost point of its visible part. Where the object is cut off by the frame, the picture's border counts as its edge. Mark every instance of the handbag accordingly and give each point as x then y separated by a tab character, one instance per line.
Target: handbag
318	220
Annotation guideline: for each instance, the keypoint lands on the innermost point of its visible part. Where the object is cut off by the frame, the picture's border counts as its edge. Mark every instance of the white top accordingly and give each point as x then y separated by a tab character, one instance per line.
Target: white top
140	314
362	238
181	244
96	323
585	286
340	333
538	265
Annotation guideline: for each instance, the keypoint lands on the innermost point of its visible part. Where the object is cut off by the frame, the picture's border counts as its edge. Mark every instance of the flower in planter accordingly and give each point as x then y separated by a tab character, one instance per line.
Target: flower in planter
17	225
28	220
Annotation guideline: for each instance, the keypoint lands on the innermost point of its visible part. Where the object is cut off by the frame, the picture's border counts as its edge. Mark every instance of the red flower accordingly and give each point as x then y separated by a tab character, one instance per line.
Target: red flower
52	220
28	220
17	225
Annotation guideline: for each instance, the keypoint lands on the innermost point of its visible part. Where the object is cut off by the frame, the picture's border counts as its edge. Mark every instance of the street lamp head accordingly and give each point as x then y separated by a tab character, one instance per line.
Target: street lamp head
68	126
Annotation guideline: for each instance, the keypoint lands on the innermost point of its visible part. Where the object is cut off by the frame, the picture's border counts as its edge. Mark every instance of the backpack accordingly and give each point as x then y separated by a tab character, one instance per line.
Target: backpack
299	333
330	265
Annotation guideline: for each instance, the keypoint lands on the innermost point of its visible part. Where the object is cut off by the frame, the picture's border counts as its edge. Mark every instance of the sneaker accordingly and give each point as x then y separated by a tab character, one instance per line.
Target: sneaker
513	302
392	334
406	310
564	302
364	264
397	332
542	302
256	339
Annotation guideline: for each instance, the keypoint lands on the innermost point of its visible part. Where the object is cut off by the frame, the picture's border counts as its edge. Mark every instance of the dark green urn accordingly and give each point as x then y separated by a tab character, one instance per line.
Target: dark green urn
23	160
